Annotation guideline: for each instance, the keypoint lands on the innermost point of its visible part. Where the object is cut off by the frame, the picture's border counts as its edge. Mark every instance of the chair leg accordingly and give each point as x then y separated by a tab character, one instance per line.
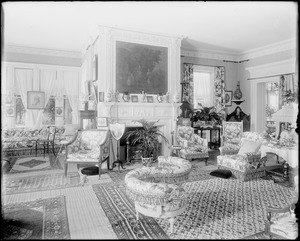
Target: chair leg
99	169
206	159
66	169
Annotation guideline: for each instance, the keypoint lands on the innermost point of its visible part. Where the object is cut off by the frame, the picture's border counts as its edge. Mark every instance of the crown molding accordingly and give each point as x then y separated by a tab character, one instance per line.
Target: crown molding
210	54
289	44
281	46
10	48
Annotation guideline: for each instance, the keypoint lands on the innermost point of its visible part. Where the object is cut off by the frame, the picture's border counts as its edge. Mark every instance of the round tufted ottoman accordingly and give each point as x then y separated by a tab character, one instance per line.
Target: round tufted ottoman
156	191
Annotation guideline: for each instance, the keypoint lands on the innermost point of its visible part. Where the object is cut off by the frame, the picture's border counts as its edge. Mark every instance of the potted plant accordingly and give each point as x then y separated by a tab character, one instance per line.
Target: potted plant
147	139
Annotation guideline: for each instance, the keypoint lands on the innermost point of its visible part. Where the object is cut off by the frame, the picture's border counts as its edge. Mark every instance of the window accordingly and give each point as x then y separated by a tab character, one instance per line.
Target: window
203	86
272	98
49	112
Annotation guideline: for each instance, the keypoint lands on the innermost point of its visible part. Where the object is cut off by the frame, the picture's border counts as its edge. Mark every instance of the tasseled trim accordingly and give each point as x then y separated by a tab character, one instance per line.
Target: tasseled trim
153	200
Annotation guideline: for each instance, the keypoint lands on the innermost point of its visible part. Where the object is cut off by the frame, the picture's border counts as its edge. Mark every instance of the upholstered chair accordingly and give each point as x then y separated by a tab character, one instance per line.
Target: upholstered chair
89	147
192	146
282	222
246	164
231	137
157	191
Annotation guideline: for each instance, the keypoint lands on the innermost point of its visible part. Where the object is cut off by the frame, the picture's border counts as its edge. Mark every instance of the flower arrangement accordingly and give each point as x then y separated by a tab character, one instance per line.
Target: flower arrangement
207	114
289	96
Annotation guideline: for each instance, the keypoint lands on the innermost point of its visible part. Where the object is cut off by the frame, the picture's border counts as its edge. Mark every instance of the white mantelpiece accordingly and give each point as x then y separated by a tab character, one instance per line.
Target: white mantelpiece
128	113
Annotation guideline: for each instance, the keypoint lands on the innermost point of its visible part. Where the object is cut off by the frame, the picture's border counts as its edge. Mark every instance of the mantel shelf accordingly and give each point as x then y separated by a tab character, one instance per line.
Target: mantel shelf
238	102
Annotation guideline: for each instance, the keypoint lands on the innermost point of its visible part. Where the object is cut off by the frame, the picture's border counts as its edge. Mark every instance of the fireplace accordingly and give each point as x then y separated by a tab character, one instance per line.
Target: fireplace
164	113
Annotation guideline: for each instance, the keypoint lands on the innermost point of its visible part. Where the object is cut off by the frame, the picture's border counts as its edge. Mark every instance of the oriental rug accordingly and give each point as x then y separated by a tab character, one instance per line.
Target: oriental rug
12	184
29	164
38	219
217	209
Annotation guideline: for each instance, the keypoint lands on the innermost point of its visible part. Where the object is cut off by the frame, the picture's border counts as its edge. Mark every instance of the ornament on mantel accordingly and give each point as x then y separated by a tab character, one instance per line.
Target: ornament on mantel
108	95
176	98
238	93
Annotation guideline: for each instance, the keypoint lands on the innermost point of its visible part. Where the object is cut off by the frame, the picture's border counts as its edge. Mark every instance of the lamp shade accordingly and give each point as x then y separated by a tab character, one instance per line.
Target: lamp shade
287	113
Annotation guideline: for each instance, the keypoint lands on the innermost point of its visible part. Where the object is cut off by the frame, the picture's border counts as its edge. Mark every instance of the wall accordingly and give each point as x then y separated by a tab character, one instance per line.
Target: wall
244	75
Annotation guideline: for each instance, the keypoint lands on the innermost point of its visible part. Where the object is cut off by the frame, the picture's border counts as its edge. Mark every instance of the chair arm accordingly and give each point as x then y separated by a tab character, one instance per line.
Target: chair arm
72	144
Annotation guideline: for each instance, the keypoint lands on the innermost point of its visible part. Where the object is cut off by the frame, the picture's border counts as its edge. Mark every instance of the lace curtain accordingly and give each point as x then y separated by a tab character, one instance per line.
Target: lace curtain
71	87
288	89
24	83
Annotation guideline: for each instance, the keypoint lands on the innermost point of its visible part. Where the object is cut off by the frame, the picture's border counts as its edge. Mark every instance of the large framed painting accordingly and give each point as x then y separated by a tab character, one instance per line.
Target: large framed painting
35	100
141	67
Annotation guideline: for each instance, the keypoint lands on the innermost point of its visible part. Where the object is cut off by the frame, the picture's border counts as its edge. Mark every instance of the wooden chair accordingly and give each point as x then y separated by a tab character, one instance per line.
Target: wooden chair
89	147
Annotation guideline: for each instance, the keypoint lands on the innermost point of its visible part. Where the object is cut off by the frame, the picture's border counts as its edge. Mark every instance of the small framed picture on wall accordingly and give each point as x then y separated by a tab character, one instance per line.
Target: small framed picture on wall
58	111
10	111
149	98
228	98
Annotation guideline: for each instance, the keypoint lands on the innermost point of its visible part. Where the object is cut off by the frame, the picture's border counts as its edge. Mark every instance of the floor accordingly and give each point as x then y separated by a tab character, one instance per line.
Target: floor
86	218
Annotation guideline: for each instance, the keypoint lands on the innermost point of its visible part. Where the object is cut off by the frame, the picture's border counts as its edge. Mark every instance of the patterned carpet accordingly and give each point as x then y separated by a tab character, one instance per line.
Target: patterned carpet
29	164
39	219
32	183
217	209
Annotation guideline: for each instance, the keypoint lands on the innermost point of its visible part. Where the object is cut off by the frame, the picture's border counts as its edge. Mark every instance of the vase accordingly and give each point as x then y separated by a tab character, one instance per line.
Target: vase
108	95
238	93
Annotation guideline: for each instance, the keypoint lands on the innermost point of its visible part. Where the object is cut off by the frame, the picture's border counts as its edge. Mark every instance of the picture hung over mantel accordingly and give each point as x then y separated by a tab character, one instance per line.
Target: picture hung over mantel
141	67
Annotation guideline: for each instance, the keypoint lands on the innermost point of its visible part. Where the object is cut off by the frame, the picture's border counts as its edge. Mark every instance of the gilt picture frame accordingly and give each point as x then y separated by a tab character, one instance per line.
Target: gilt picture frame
35	100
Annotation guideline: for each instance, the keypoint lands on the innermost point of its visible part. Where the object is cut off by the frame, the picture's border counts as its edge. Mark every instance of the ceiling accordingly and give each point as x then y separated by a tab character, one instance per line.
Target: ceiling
225	26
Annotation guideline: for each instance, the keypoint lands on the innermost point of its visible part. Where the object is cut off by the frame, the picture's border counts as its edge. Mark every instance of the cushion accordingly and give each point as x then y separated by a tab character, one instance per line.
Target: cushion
90	171
223	173
249	146
70	129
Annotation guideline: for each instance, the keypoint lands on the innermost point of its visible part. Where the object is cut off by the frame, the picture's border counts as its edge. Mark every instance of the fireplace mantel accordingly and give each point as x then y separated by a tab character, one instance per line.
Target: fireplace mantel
127	112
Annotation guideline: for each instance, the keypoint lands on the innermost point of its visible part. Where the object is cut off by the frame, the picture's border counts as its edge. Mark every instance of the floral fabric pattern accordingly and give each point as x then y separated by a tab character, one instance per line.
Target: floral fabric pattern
193	146
244	167
22	141
155	186
89	146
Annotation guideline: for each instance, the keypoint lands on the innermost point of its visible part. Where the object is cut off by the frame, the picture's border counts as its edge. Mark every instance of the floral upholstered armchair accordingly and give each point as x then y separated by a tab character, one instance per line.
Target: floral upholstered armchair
89	147
231	137
192	145
246	163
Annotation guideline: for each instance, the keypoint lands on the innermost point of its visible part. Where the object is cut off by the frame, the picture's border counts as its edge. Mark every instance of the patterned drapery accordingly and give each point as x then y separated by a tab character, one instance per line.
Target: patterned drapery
220	90
188	83
288	89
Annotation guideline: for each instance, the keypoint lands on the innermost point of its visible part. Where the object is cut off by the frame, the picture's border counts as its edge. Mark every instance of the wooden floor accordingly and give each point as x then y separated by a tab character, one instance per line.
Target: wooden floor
86	218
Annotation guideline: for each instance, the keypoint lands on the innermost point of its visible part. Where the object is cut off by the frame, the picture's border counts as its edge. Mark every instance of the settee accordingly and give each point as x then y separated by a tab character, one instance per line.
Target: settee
27	142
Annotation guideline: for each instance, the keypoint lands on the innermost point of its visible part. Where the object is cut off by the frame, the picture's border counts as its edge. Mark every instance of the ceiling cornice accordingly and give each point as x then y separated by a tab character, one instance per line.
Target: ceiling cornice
289	44
10	48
